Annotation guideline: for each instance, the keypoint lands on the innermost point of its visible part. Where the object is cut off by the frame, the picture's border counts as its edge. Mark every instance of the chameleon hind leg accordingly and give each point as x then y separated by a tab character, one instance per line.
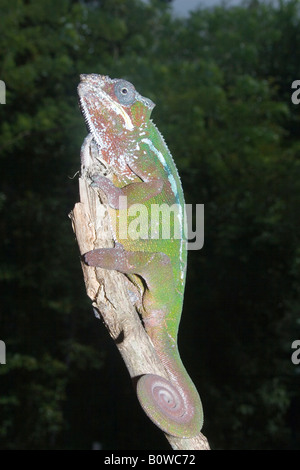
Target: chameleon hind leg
157	299
174	405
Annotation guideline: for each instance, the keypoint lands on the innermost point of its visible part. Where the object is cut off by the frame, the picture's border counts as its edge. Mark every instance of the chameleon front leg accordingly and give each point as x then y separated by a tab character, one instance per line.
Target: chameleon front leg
173	405
134	192
151	183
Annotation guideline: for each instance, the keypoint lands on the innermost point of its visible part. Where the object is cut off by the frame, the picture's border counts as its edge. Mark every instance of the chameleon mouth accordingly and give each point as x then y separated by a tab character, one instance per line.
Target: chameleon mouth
90	89
90	97
86	116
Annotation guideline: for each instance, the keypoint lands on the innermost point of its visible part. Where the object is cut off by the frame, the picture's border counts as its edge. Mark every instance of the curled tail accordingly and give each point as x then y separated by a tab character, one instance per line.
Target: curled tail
174	406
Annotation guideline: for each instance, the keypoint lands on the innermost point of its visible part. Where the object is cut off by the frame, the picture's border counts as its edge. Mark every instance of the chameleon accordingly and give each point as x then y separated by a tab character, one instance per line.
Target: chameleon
143	171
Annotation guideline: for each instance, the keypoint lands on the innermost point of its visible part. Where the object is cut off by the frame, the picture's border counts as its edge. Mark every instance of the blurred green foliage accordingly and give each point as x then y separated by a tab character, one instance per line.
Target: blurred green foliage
222	81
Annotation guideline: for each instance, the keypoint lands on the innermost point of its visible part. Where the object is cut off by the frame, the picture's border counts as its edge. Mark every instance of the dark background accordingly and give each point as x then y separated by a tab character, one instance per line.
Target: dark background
221	79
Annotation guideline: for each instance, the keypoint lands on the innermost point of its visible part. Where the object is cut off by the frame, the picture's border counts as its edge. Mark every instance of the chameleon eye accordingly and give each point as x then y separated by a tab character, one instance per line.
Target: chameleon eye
125	92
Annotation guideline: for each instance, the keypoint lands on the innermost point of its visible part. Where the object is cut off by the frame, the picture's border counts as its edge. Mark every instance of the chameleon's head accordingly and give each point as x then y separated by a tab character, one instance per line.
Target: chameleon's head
112	104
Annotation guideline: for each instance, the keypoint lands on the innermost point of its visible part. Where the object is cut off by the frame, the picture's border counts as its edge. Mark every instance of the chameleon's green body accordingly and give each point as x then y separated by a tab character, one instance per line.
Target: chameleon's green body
144	171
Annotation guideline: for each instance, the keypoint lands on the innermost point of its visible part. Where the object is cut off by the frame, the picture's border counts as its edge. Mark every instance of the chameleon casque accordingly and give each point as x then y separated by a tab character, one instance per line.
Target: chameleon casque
143	170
